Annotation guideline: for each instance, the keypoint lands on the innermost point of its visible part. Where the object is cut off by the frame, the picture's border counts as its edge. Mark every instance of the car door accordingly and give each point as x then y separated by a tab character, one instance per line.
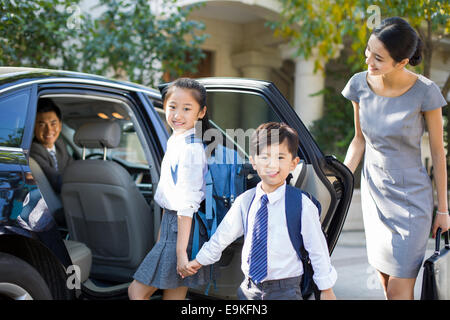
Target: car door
244	104
236	106
15	139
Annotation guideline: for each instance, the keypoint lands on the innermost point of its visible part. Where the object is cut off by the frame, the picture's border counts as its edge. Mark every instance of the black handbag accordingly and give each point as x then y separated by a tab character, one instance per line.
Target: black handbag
436	281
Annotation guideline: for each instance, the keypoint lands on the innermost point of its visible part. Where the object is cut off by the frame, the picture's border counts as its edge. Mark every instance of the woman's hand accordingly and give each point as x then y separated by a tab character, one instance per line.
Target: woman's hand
441	221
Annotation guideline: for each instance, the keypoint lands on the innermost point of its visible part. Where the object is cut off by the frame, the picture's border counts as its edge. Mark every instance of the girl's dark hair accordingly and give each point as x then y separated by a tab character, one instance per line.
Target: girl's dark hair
400	40
198	92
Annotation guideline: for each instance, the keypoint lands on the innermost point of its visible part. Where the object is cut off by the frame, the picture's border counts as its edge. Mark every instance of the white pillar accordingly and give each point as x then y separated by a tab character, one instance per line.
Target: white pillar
306	83
256	64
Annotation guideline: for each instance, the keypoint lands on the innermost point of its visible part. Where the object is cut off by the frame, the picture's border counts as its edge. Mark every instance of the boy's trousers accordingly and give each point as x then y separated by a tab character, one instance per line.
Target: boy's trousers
283	289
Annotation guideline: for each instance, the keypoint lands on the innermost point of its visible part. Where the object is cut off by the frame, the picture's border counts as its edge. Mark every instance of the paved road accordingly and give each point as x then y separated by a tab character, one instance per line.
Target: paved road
357	280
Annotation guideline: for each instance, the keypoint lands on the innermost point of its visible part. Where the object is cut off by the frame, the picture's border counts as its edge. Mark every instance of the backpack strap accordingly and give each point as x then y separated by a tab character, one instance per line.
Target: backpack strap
232	182
293	211
314	200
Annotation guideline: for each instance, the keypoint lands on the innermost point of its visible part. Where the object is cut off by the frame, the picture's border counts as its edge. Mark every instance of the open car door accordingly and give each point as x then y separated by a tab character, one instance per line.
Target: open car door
243	104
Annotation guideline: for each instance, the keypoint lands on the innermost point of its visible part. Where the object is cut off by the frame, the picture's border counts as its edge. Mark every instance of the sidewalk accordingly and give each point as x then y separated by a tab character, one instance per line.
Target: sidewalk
357	280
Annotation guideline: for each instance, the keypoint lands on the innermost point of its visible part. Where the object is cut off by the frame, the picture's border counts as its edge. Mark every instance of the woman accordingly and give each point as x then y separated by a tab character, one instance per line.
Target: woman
391	107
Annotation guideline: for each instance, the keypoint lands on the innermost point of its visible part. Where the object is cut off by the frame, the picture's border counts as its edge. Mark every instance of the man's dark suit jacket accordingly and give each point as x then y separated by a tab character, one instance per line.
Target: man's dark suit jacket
39	153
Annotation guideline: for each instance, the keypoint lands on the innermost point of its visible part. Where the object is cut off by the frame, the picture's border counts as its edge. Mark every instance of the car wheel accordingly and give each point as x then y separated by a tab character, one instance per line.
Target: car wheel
20	281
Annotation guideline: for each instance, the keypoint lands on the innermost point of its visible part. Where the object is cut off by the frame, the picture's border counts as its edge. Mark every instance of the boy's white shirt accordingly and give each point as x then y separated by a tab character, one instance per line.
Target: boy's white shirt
282	259
187	194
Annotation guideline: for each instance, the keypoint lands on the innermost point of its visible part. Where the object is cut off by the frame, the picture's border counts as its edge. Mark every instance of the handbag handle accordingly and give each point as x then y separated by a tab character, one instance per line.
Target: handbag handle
437	249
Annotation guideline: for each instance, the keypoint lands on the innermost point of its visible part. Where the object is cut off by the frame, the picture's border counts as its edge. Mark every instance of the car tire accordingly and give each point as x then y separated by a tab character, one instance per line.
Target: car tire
20	281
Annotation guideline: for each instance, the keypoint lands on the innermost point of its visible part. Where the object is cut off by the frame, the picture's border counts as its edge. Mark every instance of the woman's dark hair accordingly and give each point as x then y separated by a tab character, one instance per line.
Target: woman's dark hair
400	40
198	92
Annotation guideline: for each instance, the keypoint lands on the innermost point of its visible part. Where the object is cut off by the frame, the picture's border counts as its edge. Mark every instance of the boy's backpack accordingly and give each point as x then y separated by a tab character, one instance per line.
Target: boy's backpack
225	180
293	209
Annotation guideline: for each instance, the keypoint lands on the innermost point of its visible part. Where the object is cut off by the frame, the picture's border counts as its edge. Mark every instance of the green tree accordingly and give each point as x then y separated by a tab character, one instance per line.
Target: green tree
324	24
326	27
128	40
34	33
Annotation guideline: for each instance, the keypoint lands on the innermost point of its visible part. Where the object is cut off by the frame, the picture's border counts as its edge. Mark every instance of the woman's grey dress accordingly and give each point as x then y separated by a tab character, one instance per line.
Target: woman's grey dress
396	193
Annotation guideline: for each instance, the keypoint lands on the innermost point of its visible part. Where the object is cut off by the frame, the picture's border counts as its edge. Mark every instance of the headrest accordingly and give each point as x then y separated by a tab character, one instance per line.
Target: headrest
98	135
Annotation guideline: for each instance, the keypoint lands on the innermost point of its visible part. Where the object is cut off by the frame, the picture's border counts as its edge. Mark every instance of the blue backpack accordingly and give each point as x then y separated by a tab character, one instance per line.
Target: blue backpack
224	182
293	210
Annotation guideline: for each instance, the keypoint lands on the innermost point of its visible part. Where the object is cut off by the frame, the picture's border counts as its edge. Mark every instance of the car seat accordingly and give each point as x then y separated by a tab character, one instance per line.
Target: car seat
104	208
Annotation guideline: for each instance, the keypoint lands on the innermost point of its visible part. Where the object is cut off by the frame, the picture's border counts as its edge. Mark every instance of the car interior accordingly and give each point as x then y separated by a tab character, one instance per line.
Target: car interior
106	212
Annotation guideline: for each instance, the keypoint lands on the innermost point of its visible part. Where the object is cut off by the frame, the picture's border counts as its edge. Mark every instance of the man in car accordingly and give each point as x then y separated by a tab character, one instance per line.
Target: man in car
49	151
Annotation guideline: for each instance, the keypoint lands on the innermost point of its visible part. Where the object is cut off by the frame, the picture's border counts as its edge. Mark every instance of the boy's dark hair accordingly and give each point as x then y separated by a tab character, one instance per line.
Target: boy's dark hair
47	105
274	133
198	92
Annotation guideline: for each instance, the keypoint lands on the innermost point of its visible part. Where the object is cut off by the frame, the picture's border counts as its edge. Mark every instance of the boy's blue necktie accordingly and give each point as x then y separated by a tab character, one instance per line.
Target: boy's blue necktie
258	252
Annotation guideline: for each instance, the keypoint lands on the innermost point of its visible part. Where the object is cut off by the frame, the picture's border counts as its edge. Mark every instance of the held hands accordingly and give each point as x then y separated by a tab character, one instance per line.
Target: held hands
327	294
186	268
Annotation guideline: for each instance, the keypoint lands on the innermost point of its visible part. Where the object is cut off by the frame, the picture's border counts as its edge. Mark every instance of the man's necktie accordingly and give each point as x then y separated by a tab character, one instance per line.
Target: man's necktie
258	252
53	154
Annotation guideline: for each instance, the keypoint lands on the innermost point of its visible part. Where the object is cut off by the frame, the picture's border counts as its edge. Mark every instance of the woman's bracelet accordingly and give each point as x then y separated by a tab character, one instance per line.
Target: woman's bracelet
439	212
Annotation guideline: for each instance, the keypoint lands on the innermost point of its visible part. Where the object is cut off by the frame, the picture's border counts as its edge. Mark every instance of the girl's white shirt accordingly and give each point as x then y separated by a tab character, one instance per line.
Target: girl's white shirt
188	192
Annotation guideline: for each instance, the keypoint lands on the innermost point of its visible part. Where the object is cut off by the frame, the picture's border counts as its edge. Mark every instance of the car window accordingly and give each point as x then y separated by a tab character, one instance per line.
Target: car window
231	110
13	108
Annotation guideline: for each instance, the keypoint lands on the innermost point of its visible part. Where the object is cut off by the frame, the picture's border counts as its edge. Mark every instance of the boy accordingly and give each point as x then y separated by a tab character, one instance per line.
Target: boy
270	263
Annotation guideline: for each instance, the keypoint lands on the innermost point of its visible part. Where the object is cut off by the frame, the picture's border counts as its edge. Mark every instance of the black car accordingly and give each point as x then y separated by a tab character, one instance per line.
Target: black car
107	217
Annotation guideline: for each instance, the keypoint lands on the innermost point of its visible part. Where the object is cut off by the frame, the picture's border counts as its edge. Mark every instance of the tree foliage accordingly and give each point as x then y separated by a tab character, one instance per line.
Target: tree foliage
127	40
32	33
323	24
321	28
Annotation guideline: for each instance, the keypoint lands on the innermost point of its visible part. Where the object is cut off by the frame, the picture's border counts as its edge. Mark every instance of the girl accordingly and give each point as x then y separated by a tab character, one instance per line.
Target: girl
391	106
180	191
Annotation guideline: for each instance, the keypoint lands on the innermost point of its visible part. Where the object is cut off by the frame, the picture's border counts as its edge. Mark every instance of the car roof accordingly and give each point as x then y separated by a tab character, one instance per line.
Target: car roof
13	77
23	75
